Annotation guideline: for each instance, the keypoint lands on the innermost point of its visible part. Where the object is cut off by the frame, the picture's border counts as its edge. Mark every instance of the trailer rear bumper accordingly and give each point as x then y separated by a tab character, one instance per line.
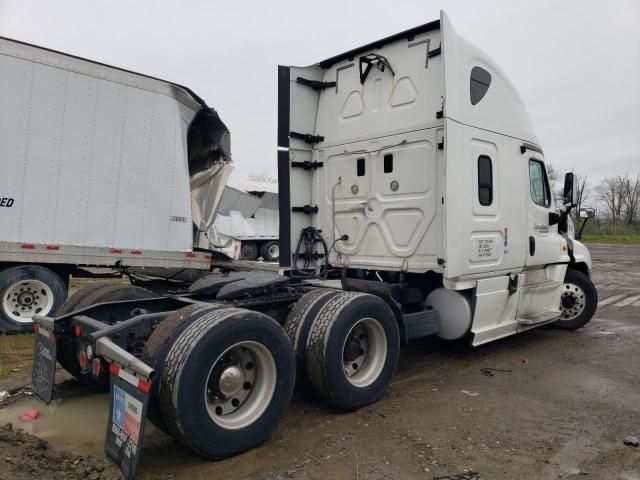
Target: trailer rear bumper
100	350
129	379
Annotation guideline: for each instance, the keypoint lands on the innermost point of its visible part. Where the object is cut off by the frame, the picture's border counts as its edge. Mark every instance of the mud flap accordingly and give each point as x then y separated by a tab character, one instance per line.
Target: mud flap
127	414
44	364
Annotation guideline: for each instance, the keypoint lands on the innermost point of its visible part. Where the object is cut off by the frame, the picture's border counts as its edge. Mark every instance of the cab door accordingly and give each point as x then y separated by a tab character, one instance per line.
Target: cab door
547	255
543	242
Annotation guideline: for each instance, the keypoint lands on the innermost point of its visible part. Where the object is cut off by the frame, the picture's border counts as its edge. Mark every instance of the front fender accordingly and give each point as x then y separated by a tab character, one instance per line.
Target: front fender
581	255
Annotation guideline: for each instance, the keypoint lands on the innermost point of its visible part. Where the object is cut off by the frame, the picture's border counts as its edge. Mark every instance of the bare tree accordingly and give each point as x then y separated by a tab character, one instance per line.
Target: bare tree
630	188
610	191
584	192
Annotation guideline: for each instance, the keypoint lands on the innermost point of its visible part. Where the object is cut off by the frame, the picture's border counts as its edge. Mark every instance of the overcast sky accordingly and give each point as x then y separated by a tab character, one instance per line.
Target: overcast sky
575	63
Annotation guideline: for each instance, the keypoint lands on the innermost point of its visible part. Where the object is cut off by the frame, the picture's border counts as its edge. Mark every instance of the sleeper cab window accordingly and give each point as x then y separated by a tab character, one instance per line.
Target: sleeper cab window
485	181
538	183
479	84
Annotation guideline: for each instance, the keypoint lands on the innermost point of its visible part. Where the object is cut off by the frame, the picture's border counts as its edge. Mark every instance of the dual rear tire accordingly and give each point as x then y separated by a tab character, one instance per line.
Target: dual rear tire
347	346
225	377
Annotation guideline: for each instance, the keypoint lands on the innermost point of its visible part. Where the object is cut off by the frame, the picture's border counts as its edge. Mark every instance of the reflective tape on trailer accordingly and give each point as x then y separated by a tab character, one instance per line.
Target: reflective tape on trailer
130	378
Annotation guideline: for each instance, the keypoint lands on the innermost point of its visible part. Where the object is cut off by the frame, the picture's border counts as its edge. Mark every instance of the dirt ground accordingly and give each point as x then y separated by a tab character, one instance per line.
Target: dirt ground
554	404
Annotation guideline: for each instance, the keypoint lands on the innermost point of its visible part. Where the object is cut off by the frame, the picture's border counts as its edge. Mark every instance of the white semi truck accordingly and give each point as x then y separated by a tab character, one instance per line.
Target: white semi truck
98	167
408	168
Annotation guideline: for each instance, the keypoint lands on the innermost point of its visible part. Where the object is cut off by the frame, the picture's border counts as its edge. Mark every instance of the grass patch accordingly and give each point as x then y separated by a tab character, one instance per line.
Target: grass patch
618	239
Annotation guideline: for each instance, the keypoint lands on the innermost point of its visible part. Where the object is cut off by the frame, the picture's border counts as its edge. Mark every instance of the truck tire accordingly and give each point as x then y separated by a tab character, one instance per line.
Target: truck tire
227	379
298	324
157	346
578	301
69	348
270	251
248	250
25	291
352	350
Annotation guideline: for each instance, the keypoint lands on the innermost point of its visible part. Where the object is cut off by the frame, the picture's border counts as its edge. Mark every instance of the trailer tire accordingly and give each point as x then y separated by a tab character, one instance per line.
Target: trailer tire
270	251
578	302
17	284
352	350
68	348
227	380
248	250
155	350
298	325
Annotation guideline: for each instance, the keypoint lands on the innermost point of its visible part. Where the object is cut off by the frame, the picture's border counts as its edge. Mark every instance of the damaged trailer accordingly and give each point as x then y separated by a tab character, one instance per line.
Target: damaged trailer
430	202
100	167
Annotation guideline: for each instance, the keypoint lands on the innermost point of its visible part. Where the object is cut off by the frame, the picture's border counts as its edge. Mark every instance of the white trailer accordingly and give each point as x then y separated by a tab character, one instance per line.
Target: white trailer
247	221
409	170
99	167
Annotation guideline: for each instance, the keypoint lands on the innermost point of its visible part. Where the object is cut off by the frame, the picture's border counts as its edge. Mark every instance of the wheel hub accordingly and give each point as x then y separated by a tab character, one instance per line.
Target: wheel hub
572	301
353	349
364	352
24	299
231	380
240	384
568	301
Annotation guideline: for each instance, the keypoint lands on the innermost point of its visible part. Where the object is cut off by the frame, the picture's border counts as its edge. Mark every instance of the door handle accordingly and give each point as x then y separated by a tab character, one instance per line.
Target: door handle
532	246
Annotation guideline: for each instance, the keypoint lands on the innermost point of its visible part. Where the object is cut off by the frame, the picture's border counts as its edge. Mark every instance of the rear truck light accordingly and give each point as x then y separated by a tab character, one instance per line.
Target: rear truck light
136	252
36	328
96	367
53	247
82	358
28	246
77	331
191	255
116	250
207	257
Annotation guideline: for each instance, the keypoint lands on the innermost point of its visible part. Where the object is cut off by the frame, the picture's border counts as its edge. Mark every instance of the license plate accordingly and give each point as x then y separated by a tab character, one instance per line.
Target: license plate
127	414
44	365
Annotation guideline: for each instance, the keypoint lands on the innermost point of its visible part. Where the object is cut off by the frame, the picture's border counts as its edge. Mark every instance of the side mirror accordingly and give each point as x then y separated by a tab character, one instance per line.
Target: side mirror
570	192
587	212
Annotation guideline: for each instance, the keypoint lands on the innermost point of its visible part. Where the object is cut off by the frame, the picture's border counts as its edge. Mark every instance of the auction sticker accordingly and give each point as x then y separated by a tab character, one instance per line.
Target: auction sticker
127	413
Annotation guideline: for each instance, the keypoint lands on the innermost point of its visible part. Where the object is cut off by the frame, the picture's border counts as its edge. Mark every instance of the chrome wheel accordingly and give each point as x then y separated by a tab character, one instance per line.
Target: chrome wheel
364	352
24	299
240	385
572	301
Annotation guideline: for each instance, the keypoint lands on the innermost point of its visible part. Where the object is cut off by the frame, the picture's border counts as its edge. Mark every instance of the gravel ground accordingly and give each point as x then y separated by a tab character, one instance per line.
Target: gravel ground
554	404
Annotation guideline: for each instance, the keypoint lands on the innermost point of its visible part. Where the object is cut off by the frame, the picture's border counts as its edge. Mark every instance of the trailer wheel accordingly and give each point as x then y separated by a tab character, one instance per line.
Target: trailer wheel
248	250
352	350
25	291
270	251
578	301
299	323
69	348
226	382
